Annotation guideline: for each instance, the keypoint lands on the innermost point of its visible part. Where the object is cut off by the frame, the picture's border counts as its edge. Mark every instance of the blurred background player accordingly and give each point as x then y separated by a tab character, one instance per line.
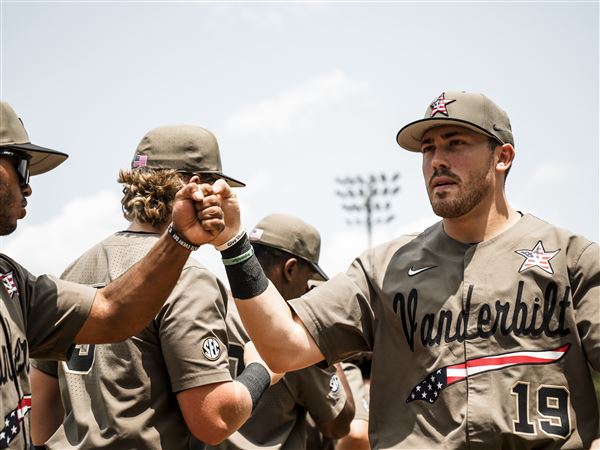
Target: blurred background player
357	372
288	250
172	379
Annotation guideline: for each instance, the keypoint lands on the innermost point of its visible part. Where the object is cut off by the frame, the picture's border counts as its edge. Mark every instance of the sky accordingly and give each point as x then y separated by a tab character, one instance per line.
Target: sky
299	95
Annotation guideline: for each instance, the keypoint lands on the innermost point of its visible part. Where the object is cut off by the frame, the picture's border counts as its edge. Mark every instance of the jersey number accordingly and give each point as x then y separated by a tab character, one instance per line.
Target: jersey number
552	407
81	359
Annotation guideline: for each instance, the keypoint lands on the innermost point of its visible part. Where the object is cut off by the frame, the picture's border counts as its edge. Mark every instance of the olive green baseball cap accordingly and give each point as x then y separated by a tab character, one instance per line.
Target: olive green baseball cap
292	235
14	137
470	110
185	148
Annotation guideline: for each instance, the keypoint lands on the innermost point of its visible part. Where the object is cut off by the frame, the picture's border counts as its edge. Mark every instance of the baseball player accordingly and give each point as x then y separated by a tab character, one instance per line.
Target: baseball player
358	436
42	316
172	379
482	326
288	249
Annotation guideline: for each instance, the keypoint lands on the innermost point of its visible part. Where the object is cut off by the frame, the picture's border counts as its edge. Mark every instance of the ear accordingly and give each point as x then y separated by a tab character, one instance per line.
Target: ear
505	154
289	269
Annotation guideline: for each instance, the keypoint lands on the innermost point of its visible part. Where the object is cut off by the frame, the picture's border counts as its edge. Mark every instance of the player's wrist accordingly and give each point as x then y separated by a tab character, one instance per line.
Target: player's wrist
245	275
231	240
256	379
177	237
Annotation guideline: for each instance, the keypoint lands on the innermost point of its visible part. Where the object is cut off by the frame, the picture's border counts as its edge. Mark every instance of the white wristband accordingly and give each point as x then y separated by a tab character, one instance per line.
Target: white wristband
231	242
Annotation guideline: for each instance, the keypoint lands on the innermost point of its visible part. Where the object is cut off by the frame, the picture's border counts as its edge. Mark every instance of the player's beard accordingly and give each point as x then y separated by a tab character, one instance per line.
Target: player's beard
12	209
459	202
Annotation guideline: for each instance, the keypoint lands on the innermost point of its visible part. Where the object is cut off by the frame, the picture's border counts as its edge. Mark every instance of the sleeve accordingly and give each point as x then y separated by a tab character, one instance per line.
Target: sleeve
585	283
359	391
321	393
338	314
192	331
48	367
56	311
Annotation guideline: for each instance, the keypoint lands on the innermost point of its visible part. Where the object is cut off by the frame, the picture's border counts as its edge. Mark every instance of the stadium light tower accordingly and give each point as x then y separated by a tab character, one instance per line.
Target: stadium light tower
370	198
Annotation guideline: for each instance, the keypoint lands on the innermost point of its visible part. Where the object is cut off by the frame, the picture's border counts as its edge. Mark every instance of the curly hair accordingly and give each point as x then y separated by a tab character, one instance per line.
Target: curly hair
148	194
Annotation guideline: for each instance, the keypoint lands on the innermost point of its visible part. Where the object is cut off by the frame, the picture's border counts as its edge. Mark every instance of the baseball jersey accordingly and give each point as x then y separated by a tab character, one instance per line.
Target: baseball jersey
279	420
315	440
40	317
359	393
481	346
122	395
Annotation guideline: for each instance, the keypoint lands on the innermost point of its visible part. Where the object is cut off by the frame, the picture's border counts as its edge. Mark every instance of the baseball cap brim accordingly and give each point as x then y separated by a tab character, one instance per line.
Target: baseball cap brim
410	136
319	273
42	159
230	181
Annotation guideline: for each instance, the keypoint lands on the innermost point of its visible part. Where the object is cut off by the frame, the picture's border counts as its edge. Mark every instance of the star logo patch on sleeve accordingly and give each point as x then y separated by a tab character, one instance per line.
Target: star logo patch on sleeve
8	281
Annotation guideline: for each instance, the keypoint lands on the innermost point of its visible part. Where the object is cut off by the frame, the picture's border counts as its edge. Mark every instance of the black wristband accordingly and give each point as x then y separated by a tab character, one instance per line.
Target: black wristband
247	278
256	378
180	240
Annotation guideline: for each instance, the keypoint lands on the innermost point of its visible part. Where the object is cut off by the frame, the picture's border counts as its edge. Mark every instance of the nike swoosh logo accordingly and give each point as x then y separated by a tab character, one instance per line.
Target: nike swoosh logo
412	271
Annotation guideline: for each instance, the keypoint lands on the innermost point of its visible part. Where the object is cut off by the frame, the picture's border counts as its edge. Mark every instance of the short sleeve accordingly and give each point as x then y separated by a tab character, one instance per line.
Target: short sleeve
56	311
320	392
338	314
46	366
585	283
192	331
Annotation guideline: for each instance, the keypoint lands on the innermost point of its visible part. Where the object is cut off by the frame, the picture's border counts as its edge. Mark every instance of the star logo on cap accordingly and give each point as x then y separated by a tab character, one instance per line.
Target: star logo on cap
439	105
537	257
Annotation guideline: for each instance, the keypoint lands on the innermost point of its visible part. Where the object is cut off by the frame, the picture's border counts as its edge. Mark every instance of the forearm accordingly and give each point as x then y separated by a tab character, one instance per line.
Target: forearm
232	413
47	411
357	439
129	303
212	412
280	338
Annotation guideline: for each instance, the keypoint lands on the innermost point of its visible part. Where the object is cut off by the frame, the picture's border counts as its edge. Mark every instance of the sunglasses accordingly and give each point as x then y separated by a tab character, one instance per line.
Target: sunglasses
22	164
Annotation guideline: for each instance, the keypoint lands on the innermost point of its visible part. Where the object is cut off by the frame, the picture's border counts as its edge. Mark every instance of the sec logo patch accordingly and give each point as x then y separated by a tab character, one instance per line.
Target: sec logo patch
211	349
334	384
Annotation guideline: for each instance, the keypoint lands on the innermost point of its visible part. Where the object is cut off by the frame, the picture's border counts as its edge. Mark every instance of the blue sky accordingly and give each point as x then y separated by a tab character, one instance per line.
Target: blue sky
297	95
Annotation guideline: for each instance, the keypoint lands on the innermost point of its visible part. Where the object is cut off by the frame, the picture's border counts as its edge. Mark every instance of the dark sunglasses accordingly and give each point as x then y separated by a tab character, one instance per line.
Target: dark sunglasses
22	164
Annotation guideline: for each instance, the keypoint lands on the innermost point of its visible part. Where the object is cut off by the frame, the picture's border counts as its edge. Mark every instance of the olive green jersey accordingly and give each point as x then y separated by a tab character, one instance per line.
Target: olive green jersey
482	346
122	396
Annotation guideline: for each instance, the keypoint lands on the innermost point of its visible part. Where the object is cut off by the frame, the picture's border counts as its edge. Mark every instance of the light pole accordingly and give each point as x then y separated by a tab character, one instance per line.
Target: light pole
370	198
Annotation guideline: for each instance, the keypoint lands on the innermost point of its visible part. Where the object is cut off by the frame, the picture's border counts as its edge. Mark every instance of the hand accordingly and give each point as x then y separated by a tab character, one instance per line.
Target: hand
231	210
595	444
251	355
197	215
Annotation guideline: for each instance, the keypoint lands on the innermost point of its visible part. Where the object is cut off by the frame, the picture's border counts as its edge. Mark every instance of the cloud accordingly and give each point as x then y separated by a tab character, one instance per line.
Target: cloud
295	105
50	246
548	174
548	171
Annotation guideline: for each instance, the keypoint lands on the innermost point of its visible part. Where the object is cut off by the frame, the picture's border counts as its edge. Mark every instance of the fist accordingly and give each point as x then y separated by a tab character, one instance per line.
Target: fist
197	213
